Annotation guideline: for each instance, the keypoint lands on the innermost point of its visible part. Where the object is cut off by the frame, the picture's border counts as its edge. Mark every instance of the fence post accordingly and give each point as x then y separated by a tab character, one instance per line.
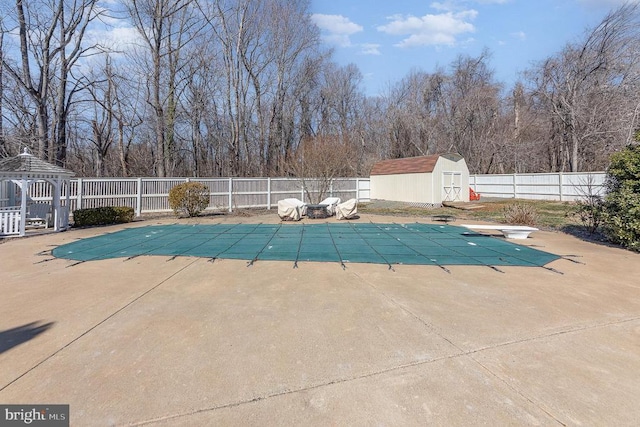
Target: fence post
302	190
331	188
357	188
79	194
139	197
515	186
561	185
230	194
268	193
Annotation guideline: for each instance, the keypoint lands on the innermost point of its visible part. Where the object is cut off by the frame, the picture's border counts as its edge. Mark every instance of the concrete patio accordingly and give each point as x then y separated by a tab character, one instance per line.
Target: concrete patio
185	341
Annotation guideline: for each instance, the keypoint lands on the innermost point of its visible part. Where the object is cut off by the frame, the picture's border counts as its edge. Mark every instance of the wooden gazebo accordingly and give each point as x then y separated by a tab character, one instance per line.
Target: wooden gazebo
17	174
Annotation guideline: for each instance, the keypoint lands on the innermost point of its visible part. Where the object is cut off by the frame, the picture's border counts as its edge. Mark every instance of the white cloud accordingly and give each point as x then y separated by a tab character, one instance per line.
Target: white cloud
430	30
337	28
370	49
521	35
114	38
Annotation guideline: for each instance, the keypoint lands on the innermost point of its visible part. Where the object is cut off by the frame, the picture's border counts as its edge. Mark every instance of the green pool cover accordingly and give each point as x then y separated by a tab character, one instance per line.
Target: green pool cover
416	243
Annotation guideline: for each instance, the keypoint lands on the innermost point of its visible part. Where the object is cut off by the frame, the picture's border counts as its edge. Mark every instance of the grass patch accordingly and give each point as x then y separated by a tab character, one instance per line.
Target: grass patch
551	215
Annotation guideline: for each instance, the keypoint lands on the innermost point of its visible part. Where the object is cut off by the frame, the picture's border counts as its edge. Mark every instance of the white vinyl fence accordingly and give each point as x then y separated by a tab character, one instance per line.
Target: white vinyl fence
562	186
152	194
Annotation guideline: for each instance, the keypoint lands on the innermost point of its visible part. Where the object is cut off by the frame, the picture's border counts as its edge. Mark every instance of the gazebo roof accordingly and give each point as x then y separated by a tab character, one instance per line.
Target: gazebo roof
27	165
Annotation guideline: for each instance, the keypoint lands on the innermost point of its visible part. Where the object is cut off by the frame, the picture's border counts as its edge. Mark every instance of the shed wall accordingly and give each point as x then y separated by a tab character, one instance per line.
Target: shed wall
445	165
410	188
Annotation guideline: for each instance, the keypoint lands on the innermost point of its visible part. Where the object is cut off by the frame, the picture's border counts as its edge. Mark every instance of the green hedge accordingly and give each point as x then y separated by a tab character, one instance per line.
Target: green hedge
102	216
622	203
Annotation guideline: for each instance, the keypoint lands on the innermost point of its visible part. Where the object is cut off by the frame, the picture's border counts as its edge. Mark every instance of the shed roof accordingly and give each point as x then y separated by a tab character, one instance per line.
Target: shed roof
25	163
421	164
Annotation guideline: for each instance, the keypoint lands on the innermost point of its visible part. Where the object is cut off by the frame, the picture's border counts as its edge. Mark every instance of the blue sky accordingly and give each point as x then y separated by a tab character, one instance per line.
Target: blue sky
387	39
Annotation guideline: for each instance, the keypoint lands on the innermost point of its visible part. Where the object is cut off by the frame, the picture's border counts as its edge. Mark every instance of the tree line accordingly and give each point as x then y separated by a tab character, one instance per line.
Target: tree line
246	88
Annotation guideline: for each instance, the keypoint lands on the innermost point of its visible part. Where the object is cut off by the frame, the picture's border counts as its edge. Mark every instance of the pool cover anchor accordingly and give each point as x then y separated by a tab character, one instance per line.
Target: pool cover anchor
295	262
495	268
439	265
444	268
374	249
44	253
552	269
569	258
266	245
333	242
74	264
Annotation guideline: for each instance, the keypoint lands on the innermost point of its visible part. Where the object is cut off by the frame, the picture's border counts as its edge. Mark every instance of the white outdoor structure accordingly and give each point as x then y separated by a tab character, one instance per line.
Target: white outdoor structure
17	174
428	180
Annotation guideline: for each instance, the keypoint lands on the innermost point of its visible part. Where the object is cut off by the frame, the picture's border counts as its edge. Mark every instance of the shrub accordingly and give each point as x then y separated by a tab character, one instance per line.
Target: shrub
520	214
102	216
189	198
622	204
590	212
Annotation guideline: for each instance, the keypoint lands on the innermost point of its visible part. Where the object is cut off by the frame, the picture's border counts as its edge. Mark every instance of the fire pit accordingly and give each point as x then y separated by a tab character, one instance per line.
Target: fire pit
317	211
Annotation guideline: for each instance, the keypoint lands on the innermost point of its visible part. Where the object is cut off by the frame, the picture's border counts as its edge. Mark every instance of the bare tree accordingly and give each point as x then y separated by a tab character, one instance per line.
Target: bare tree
413	109
471	111
3	147
456	111
292	41
317	162
50	35
587	88
167	27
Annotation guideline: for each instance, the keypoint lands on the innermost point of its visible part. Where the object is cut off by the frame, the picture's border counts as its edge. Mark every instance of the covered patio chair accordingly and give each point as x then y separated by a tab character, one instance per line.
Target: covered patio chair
291	209
347	210
331	203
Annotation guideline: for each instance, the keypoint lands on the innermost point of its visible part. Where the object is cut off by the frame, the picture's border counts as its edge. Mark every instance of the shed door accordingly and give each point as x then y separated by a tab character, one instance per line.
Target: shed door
452	186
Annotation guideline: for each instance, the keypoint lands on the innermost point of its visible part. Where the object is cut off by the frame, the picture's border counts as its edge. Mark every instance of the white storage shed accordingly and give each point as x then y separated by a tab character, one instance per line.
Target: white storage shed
425	180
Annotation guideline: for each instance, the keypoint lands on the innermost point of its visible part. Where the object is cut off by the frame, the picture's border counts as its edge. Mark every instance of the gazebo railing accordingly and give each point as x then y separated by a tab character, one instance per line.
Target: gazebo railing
10	220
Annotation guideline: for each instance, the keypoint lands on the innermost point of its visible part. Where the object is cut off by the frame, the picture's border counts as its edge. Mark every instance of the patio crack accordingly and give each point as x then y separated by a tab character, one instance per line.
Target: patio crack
293	391
461	353
92	328
471	353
